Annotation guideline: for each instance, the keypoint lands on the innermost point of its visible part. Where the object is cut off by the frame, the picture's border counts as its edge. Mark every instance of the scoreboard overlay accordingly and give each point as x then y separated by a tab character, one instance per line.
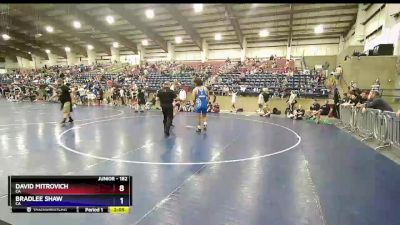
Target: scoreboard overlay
70	194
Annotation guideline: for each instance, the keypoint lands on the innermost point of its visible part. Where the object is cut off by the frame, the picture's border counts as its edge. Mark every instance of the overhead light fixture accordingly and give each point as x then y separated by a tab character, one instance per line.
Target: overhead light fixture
178	40
319	29
263	33
198	8
38	35
218	37
77	24
110	19
115	44
145	42
29	53
5	37
149	13
67	49
90	47
47	51
49	29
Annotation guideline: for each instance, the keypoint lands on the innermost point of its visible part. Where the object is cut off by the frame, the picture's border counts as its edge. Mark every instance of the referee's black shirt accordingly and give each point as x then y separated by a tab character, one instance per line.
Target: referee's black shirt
166	97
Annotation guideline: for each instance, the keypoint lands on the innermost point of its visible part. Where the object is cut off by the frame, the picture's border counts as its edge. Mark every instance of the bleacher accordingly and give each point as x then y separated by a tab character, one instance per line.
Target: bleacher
155	80
256	82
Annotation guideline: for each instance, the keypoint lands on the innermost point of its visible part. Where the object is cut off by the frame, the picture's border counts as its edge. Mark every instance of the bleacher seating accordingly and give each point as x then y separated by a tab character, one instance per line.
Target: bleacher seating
306	85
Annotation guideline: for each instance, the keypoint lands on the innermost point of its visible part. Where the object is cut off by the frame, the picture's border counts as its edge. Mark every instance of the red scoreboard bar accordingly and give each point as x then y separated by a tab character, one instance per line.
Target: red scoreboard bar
70	194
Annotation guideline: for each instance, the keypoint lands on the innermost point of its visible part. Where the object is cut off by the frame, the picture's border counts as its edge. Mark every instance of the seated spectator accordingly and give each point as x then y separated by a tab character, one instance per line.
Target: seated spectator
187	107
215	108
315	111
398	114
266	111
209	107
298	113
376	102
325	108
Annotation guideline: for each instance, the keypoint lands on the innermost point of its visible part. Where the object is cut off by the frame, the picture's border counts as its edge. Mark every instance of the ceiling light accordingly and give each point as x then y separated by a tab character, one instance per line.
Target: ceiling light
5	37
67	49
47	51
178	40
149	13
115	44
49	29
110	19
263	33
218	37
38	35
29	53
90	47
198	8
145	42
319	29
77	24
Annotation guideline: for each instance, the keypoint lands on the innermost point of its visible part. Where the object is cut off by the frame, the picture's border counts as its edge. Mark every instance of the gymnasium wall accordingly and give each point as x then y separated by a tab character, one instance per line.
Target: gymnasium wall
366	69
347	51
311	61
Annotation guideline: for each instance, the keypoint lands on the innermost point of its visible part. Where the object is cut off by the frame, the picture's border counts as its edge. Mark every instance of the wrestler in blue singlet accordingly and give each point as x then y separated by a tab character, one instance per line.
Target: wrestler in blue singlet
201	100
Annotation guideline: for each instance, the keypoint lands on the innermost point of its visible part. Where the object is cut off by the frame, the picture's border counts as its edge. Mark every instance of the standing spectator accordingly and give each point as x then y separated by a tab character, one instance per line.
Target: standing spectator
233	100
363	97
338	72
260	101
376	85
336	102
376	102
141	99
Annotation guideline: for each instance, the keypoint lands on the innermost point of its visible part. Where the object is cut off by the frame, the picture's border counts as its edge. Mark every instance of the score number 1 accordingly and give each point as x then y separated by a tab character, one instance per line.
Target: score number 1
121	189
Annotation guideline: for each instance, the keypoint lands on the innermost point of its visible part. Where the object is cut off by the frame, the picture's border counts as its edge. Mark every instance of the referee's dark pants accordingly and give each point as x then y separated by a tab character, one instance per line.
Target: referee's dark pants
168	113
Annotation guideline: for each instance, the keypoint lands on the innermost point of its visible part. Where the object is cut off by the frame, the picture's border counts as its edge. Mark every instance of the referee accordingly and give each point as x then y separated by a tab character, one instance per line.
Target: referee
66	102
166	97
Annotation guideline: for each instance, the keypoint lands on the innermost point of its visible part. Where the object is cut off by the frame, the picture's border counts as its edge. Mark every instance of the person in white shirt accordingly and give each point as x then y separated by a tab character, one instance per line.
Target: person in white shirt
122	96
182	95
260	102
233	100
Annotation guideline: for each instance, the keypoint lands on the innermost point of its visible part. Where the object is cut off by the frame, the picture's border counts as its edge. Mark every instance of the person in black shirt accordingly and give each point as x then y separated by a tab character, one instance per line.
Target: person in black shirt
141	100
315	111
325	109
376	102
166	97
66	102
354	99
299	113
336	102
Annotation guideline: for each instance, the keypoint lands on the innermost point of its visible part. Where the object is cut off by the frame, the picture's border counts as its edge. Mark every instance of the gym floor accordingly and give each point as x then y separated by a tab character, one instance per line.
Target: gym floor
245	170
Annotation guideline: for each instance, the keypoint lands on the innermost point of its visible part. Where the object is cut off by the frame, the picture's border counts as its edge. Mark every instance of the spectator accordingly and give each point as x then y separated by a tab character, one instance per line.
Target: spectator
325	109
363	97
315	112
260	101
266	111
299	113
233	93
398	114
376	102
338	72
